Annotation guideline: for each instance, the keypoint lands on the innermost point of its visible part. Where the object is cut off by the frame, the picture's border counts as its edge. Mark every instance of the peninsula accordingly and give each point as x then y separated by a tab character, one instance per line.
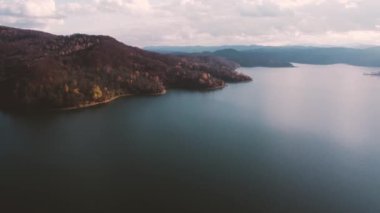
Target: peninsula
39	70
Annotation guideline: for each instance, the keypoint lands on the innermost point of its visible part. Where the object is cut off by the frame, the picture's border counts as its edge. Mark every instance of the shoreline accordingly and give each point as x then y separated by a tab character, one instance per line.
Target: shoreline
83	106
107	101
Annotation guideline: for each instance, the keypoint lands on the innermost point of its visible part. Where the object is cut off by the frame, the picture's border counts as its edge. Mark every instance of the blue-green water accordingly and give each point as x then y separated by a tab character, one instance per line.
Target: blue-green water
303	139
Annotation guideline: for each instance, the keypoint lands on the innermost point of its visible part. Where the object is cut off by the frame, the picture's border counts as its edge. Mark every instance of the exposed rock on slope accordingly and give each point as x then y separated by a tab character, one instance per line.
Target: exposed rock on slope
41	70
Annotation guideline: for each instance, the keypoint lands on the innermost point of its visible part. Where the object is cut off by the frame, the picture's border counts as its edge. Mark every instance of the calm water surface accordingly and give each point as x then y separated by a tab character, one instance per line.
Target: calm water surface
303	139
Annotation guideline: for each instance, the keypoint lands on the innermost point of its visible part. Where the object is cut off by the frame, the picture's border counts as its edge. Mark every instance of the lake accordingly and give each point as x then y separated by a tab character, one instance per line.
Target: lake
304	139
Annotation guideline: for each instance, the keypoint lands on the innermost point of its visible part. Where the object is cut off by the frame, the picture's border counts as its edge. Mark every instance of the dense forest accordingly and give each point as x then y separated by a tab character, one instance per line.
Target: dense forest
43	71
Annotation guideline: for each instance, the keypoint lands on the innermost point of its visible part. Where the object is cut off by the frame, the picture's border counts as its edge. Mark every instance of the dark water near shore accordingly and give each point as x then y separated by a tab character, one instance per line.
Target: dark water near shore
303	139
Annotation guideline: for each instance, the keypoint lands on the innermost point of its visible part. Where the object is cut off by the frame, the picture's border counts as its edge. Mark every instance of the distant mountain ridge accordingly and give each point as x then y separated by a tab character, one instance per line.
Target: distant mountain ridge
266	56
198	49
44	71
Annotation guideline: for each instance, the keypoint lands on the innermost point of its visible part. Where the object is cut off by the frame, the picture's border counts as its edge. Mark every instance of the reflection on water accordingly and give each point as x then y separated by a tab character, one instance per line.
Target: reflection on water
299	139
337	101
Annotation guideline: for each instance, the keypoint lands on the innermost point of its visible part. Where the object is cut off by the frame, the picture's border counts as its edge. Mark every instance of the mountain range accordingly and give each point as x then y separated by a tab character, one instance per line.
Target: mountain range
282	56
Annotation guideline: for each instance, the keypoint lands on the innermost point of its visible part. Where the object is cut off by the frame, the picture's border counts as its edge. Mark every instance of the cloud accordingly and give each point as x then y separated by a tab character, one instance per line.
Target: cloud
135	6
76	8
350	4
294	4
28	8
29	13
192	22
262	9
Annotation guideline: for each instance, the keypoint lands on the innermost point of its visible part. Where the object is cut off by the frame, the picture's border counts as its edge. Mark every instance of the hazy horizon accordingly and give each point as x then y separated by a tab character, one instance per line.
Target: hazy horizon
204	23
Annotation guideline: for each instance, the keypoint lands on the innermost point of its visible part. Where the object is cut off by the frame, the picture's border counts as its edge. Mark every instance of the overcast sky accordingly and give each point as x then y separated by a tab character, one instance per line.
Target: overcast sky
204	22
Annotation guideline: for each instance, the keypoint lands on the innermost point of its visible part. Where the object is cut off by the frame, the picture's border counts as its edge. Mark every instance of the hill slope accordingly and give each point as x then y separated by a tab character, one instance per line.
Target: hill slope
41	70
